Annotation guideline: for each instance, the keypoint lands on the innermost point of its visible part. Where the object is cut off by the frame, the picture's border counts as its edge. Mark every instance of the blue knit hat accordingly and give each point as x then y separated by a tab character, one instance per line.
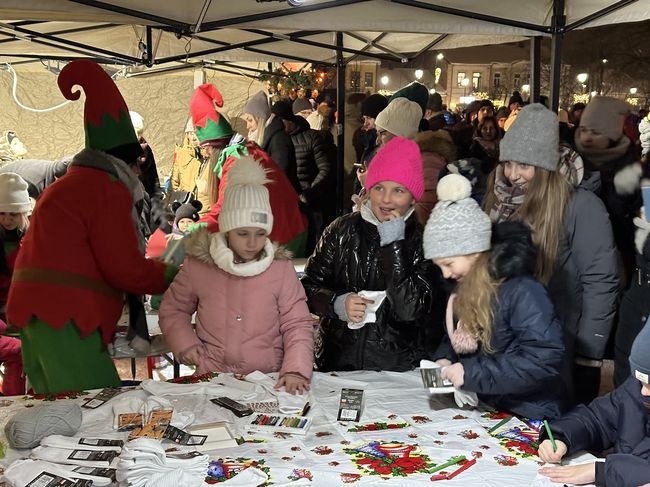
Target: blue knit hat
640	355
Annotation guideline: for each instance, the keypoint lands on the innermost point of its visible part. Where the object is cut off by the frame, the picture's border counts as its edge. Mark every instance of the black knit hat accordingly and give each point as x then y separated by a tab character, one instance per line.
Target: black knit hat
516	98
283	109
186	210
371	106
435	102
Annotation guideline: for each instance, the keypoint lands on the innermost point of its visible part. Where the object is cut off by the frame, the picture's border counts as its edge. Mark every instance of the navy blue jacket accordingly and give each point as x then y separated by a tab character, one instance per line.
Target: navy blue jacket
619	420
523	373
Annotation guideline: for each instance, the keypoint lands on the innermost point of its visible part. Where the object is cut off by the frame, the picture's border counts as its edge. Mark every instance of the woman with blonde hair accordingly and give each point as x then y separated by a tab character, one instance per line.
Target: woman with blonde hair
576	255
504	341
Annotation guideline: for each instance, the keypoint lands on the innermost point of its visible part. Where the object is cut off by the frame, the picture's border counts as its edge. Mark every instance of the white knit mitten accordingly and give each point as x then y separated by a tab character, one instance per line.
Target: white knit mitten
641	233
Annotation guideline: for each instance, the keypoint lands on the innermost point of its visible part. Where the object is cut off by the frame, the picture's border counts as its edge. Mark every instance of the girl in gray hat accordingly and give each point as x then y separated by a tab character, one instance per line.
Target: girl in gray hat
576	255
504	341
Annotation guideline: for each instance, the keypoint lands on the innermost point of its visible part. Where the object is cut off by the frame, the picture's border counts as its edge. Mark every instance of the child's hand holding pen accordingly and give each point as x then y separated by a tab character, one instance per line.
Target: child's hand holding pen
550	455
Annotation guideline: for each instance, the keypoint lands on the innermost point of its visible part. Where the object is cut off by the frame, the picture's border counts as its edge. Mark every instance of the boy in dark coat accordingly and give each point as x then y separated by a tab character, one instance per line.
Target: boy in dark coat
618	420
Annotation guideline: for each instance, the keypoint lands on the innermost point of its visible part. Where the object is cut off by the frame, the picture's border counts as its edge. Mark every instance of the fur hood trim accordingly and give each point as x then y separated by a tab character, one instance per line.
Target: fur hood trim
197	245
438	141
513	251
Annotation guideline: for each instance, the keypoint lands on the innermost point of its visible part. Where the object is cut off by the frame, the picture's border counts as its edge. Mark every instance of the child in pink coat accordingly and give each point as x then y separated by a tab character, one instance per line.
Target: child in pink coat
251	308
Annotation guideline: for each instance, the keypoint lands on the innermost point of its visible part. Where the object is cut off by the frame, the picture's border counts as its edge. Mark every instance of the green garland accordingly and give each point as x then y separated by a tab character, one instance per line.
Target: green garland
283	81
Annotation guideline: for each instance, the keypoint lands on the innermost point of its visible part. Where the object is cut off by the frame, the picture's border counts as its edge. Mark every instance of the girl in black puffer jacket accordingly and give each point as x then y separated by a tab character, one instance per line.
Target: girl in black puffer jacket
377	249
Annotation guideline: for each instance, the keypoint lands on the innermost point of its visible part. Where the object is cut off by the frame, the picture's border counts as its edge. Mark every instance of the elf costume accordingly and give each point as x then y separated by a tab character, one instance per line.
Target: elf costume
290	228
83	250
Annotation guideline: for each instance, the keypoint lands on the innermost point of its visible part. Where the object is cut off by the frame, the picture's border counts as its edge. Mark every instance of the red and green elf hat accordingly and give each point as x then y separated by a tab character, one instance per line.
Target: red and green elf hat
106	117
209	124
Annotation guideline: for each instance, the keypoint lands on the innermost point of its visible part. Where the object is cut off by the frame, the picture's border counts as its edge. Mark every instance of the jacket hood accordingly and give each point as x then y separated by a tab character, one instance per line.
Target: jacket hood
438	141
513	251
197	245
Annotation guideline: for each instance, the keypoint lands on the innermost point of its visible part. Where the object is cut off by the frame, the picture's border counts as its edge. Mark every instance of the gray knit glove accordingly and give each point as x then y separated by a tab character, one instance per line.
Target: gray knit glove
391	231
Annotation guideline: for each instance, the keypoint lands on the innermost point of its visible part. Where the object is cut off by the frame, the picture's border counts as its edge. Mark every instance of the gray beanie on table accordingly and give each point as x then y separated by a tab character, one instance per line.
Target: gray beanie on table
640	355
456	226
533	138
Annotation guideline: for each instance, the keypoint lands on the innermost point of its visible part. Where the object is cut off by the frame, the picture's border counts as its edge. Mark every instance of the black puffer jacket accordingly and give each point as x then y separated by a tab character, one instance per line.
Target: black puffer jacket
523	374
314	169
348	258
277	144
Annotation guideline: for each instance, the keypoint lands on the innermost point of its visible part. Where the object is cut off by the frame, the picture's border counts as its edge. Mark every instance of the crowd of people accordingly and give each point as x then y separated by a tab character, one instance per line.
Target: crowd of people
509	246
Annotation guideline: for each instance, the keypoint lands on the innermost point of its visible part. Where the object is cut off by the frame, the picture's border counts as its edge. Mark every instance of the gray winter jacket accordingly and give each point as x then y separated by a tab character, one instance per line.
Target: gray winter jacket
584	287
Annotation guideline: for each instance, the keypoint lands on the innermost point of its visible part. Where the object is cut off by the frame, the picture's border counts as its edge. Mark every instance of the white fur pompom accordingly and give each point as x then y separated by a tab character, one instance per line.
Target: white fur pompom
245	170
454	187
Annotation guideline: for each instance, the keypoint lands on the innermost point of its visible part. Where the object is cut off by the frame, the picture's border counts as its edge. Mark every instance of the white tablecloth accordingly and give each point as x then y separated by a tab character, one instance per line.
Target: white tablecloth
432	428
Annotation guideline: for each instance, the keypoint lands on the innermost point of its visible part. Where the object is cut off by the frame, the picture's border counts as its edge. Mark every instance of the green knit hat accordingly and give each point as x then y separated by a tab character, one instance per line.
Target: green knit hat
106	117
208	122
416	92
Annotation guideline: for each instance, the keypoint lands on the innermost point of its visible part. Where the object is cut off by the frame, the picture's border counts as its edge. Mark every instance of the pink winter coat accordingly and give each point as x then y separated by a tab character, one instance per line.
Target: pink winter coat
257	320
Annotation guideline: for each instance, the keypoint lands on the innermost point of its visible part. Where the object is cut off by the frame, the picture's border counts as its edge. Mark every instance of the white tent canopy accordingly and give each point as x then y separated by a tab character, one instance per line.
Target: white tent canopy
154	32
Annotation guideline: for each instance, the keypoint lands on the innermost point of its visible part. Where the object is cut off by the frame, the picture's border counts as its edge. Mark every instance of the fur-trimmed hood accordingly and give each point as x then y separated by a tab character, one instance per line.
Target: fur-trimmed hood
513	251
438	141
197	245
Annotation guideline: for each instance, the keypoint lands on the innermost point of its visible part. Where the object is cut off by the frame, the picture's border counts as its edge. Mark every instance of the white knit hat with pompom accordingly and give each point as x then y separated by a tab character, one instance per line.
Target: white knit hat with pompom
456	226
246	200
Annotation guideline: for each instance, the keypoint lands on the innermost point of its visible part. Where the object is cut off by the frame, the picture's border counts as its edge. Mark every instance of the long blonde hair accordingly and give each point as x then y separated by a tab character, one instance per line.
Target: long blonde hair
261	129
476	297
546	199
21	228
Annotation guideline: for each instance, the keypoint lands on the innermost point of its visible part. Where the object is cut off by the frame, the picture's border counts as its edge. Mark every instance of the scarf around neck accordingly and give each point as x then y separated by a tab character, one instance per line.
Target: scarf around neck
509	198
597	158
368	215
224	258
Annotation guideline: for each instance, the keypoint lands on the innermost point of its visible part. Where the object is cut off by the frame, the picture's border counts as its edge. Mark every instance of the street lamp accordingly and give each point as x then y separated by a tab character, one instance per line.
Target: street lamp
419	73
440	56
525	88
384	80
432	91
633	91
582	79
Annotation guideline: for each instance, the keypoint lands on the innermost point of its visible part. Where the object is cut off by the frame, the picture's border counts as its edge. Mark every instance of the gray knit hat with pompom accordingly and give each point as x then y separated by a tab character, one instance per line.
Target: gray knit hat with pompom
456	226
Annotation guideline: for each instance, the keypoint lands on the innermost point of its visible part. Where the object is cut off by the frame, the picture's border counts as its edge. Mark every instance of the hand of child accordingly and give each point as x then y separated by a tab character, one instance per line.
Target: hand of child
571	474
355	307
454	373
194	356
443	362
547	454
293	383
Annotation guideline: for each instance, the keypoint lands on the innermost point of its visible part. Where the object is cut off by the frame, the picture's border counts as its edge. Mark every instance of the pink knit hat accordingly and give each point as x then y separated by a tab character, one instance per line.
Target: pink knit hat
399	161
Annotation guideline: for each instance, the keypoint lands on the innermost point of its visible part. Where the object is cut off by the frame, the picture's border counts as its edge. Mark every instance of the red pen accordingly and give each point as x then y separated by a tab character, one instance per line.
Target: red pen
462	468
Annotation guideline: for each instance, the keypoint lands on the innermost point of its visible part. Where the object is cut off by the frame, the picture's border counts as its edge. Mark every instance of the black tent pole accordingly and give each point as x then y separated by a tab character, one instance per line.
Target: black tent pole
558	22
340	123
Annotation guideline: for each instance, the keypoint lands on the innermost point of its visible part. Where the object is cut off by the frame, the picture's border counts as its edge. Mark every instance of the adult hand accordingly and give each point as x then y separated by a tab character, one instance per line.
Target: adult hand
355	307
293	383
194	356
571	474
454	373
547	454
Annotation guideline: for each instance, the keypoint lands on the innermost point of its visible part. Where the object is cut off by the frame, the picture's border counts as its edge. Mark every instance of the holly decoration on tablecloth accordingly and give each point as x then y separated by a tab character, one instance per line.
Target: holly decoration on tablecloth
420	419
281	435
350	478
194	379
378	425
300	473
320	434
506	460
57	396
468	434
226	468
390	459
495	415
322	450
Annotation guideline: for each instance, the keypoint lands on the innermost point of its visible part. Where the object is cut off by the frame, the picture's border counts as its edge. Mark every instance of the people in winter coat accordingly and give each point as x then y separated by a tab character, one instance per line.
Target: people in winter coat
485	145
635	303
15	208
644	136
36	173
377	251
619	421
73	260
504	341
370	109
277	144
189	170
576	253
604	148
437	150
434	113
251	309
